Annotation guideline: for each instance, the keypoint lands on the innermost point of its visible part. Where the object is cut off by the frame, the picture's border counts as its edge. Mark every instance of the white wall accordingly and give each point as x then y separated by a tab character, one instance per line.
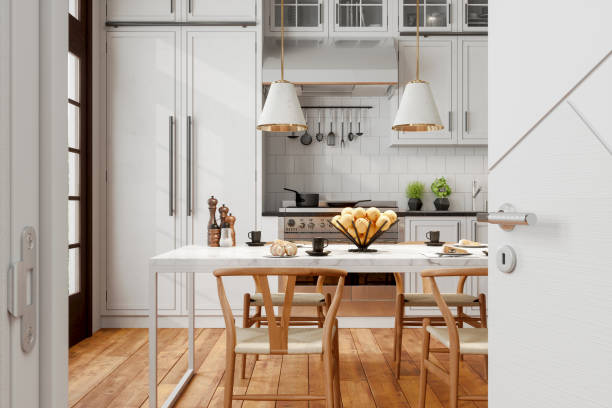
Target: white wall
367	168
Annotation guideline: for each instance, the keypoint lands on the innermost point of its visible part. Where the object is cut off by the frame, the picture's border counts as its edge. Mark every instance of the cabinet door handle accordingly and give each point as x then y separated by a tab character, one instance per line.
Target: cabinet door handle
465	14
449	15
189	165
458	231
450	121
171	6
465	121
190	6
337	12
320	13
171	165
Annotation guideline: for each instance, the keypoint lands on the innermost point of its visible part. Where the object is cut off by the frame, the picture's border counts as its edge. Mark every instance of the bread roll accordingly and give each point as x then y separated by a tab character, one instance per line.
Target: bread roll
373	213
391	215
347	210
362	238
359	213
352	232
290	249
277	249
336	220
361	224
383	222
346	220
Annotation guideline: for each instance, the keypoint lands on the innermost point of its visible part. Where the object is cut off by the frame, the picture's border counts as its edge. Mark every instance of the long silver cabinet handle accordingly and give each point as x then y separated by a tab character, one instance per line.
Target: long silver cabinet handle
190	6
189	165
171	165
171	6
465	121
450	121
465	13
449	20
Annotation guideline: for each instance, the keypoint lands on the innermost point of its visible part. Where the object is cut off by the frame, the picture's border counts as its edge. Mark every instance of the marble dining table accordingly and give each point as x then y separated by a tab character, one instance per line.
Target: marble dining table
197	259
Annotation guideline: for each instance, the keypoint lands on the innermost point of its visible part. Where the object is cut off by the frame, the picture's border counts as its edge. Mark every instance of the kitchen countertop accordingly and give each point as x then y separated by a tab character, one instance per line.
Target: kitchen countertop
401	213
389	258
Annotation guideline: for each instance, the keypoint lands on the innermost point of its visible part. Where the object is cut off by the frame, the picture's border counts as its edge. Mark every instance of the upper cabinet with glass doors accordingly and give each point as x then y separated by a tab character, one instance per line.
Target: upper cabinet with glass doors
300	16
360	15
444	15
182	10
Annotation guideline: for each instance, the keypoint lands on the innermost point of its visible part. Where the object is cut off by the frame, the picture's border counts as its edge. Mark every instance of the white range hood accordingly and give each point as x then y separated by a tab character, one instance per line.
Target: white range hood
323	67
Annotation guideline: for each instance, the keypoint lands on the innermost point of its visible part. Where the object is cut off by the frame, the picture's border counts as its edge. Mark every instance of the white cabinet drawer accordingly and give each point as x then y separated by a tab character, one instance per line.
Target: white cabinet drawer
226	10
141	10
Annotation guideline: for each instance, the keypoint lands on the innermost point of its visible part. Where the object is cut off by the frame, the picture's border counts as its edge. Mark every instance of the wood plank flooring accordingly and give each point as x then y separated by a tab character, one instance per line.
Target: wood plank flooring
110	370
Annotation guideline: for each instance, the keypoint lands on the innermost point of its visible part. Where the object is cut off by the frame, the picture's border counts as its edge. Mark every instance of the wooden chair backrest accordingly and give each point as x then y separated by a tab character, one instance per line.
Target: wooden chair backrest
278	327
430	276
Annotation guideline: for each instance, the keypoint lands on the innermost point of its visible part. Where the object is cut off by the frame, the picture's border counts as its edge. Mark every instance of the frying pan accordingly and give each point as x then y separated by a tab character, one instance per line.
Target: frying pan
305	200
336	204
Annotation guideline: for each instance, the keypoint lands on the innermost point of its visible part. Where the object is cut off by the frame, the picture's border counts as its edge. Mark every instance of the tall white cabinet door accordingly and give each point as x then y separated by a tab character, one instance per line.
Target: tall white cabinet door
438	67
141	10
221	88
142	96
226	10
474	96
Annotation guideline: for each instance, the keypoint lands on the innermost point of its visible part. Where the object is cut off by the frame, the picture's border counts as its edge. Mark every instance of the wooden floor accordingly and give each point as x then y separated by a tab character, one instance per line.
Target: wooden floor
110	370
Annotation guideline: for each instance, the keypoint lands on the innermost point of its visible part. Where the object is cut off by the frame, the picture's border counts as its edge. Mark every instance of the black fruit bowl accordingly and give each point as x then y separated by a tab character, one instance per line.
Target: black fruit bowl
362	246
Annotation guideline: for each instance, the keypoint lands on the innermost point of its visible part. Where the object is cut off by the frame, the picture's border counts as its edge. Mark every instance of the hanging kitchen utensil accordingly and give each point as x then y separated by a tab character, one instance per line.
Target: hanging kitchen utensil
306	139
331	136
359	132
305	200
342	139
319	135
351	135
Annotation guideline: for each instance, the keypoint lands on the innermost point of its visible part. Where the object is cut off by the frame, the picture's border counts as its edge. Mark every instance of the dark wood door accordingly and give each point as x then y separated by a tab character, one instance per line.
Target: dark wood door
79	171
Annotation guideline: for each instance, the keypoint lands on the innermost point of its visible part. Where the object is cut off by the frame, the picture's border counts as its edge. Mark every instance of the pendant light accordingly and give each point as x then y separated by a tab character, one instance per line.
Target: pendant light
417	110
282	111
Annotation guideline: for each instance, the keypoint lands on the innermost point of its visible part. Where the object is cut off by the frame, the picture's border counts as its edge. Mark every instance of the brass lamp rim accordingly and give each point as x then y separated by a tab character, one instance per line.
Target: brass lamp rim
417	127
281	127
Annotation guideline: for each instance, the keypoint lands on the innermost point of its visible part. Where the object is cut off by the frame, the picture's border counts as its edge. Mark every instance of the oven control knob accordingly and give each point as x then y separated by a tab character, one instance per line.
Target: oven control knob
311	225
302	225
291	222
322	225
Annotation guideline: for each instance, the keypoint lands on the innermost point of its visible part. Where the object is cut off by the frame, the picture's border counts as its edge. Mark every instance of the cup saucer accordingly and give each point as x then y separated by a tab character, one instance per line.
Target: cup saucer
256	244
315	253
435	244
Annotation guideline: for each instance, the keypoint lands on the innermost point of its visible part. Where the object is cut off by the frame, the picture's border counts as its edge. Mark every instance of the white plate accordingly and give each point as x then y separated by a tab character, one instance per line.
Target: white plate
280	256
471	246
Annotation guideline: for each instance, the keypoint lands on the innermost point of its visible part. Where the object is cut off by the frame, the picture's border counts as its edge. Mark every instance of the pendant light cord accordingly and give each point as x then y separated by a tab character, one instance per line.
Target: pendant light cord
283	40
418	56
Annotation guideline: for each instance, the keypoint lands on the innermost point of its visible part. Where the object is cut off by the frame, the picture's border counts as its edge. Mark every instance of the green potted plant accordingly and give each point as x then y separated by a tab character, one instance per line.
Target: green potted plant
442	190
414	192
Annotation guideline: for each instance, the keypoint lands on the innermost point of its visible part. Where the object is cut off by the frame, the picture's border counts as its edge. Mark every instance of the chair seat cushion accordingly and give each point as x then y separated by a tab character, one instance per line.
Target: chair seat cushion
451	299
301	340
299	299
471	341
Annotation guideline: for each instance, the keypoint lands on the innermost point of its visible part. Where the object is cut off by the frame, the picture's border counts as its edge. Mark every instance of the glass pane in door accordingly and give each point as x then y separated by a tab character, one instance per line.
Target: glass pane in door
308	15
73	8
73	126
433	13
372	16
73	221
74	285
477	13
435	16
73	173
73	77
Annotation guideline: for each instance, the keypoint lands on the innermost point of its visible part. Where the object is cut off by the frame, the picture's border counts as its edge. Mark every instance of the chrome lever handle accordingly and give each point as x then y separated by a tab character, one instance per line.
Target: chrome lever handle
507	218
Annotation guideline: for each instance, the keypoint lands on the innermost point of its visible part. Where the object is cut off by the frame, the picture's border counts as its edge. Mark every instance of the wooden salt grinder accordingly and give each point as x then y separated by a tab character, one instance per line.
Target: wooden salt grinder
223	210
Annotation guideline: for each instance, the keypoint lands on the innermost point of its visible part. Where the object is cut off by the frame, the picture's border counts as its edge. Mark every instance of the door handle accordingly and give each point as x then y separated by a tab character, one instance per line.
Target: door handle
171	165
465	121
507	217
22	293
189	164
450	121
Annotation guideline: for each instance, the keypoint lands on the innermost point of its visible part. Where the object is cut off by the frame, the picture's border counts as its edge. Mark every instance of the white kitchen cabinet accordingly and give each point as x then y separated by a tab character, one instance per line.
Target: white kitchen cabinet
302	17
221	106
479	231
226	10
451	229
474	15
362	16
474	93
435	15
142	192
439	68
142	10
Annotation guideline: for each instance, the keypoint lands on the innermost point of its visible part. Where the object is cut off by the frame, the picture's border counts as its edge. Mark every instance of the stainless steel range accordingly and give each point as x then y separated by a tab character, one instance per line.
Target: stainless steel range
305	223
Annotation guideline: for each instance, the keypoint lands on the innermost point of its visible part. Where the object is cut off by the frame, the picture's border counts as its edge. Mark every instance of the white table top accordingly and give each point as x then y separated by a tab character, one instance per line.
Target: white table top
398	258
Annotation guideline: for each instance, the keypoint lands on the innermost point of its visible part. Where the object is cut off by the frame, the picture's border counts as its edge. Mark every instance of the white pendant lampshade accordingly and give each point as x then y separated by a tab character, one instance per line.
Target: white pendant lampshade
417	111
282	111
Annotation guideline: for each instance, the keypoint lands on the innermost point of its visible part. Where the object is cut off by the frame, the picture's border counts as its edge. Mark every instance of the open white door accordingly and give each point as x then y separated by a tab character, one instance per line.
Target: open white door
550	153
19	203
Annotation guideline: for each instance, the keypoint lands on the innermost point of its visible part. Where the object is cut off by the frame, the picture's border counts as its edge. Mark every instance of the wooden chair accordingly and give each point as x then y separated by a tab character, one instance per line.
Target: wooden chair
280	339
457	341
318	300
426	299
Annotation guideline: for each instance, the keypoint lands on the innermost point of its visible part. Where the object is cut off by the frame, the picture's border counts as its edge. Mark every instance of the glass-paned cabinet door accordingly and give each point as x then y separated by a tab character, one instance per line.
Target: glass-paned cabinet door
360	15
475	15
434	15
300	15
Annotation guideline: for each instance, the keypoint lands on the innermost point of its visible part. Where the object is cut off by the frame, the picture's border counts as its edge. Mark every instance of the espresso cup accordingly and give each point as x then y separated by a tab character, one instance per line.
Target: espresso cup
433	236
254	236
318	244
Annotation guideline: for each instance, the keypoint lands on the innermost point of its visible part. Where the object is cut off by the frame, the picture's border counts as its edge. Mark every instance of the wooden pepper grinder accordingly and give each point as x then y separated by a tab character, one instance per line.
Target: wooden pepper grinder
223	210
214	232
231	220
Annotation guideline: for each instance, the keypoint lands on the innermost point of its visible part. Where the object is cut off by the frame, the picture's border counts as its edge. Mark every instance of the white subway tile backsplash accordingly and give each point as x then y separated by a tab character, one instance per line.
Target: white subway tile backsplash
341	164
370	183
367	167
304	164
